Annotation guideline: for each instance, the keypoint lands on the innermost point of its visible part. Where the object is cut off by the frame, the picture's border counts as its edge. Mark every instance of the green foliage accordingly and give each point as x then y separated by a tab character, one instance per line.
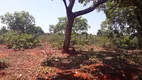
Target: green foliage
52	61
124	19
126	3
18	41
3	63
126	42
117	39
22	32
19	21
80	39
56	40
22	22
80	25
3	30
6	37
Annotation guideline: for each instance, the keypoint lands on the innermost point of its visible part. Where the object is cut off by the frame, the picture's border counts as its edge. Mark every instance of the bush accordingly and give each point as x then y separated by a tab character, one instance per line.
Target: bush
52	61
3	64
18	41
126	42
56	40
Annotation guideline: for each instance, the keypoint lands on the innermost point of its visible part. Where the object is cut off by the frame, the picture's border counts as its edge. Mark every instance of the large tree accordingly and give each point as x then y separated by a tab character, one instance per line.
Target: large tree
21	22
80	25
124	17
72	15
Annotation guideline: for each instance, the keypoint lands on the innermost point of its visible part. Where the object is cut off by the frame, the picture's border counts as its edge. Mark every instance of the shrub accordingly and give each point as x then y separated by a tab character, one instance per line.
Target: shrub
18	41
56	40
3	64
125	42
7	36
52	61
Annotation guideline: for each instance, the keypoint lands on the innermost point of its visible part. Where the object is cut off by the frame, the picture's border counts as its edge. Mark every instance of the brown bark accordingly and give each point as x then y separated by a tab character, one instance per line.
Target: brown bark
69	25
138	13
71	16
68	35
89	9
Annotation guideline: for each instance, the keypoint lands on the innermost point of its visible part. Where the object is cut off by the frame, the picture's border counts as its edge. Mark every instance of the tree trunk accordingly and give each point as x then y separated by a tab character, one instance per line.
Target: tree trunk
68	35
138	13
71	16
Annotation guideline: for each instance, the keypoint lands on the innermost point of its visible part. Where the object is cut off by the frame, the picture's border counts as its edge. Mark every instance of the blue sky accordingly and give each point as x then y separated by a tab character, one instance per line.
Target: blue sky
46	12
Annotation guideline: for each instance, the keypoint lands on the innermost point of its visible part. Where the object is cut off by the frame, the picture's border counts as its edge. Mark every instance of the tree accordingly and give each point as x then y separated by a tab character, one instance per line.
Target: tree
126	3
72	15
21	22
80	25
60	26
37	30
124	18
51	28
3	30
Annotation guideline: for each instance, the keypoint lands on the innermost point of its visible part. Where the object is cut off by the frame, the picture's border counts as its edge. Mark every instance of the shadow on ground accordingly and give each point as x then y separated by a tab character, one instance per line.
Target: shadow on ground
69	62
100	65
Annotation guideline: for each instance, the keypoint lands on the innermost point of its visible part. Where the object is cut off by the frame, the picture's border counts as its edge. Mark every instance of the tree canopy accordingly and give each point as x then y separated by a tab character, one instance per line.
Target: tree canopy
80	25
21	22
124	18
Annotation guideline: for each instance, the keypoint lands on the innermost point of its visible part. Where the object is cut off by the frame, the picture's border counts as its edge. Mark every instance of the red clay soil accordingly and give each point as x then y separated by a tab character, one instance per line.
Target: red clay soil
26	65
23	64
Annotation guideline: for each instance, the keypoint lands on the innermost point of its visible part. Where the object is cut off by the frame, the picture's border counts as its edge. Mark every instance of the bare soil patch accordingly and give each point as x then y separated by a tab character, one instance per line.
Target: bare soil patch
97	64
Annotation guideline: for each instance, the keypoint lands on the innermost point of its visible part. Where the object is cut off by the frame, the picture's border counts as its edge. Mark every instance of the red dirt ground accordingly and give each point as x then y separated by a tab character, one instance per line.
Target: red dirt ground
26	65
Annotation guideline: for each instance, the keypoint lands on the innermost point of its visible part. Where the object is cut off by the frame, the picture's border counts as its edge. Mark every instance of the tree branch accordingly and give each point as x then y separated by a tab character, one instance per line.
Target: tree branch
90	9
65	3
71	4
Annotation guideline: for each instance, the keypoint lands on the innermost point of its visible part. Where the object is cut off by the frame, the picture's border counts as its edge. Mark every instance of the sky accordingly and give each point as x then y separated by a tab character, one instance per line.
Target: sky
46	12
